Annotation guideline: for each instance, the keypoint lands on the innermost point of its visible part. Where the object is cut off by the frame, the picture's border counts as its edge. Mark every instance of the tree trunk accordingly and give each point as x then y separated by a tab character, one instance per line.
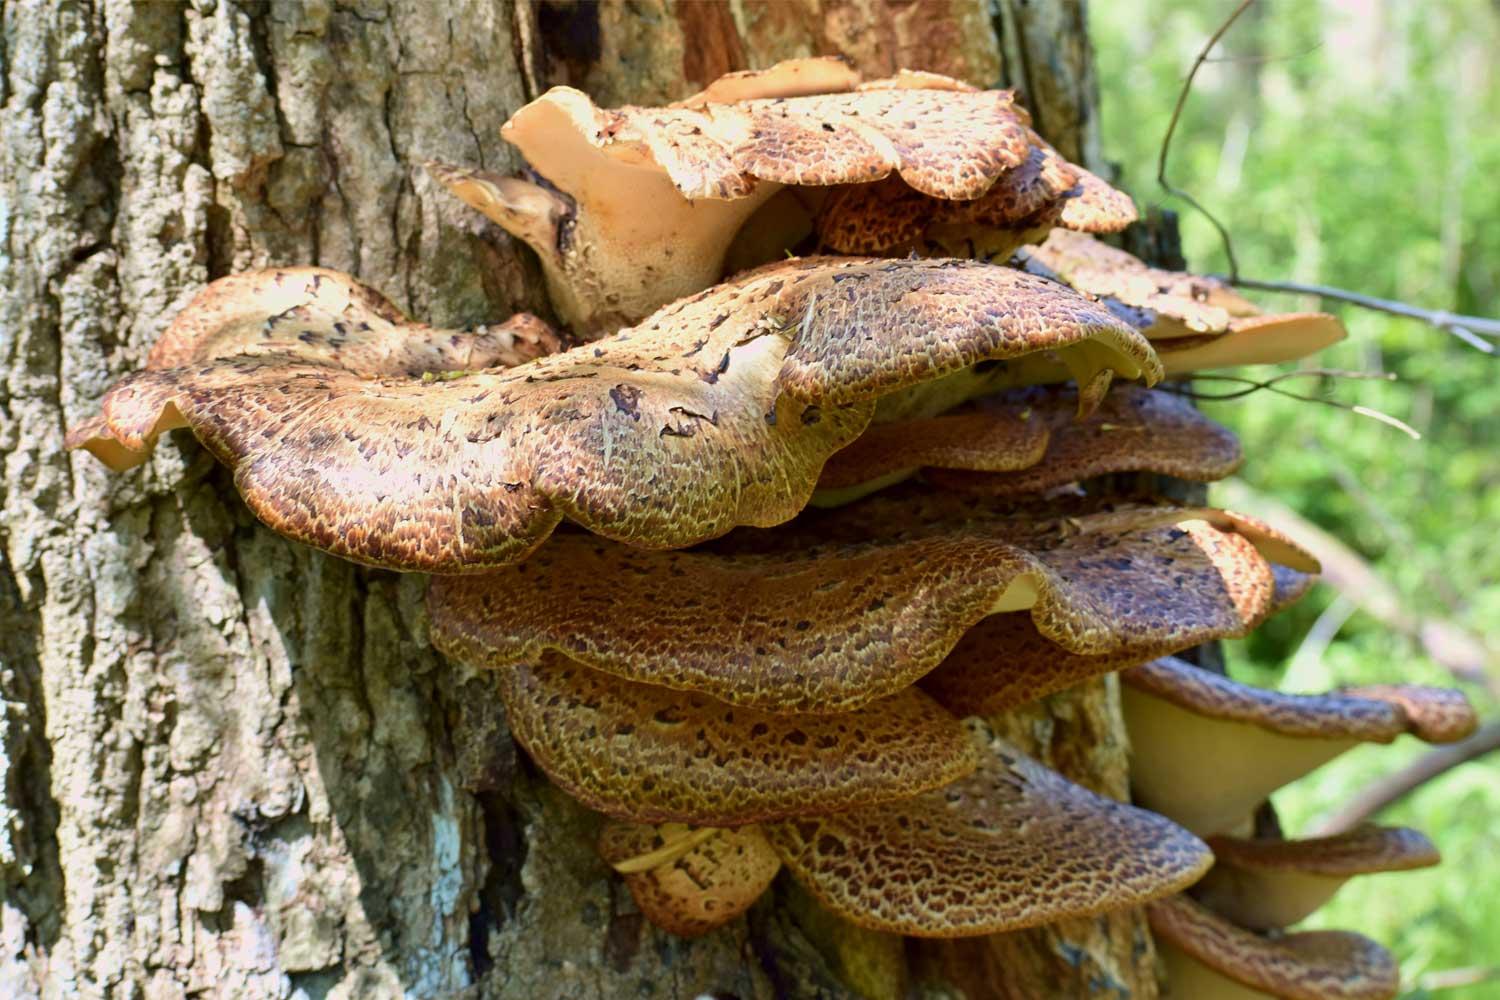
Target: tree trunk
232	765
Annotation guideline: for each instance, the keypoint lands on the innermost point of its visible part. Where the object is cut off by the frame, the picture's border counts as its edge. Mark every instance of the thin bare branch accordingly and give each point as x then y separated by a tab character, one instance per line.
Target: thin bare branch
1469	329
1452	979
1166	142
1395	786
1272	385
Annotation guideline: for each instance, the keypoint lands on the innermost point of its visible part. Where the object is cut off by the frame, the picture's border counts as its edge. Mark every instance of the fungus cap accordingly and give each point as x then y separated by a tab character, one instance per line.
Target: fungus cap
1004	661
840	608
1206	750
1013	845
318	316
639	205
717	411
714	877
1134	430
1265	884
1179	304
649	754
1255	340
1209	958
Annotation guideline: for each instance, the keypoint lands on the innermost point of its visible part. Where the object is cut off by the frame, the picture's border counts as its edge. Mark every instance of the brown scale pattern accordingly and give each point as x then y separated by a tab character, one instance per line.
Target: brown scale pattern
321	316
1000	433
1376	715
1433	715
665	434
1313	965
1363	850
1044	190
703	889
930	318
783	622
942	141
1013	845
1003	661
1179	303
649	754
1134	430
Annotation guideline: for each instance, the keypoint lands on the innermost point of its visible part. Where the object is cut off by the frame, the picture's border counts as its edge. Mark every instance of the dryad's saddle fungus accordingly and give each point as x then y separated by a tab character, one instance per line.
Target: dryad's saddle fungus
1265	884
718	410
1206	751
1013	845
633	207
1208	958
842	607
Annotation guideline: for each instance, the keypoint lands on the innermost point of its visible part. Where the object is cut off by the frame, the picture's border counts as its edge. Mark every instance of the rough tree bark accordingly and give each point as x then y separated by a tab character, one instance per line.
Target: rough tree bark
232	766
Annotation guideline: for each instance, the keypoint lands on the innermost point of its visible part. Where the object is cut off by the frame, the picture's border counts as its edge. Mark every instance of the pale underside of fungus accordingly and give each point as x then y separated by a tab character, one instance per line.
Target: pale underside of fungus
1264	884
1206	750
718	410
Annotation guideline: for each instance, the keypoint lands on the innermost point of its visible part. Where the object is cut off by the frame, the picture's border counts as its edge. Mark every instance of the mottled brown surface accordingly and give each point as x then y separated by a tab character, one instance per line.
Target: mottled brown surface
999	433
1433	715
1361	851
663	435
1013	845
648	754
783	623
1370	715
1313	965
1003	661
1179	303
919	320
943	141
1134	430
318	316
702	889
1044	190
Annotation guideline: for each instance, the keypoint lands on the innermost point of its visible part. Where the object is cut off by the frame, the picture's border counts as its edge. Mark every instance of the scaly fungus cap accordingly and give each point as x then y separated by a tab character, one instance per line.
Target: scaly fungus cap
1209	958
1004	661
1206	750
844	607
1013	845
1265	884
688	880
649	754
1134	430
318	316
719	410
636	206
891	216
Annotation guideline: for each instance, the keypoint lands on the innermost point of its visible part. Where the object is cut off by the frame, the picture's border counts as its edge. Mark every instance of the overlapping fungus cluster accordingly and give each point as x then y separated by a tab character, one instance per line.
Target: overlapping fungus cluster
759	557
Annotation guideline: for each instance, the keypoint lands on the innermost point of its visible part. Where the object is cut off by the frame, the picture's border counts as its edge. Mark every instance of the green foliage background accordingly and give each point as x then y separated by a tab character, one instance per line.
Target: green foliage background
1356	143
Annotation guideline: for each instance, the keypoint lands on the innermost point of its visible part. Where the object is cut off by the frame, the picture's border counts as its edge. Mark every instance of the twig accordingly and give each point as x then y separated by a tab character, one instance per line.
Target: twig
1166	142
1271	385
1394	786
1452	979
1469	329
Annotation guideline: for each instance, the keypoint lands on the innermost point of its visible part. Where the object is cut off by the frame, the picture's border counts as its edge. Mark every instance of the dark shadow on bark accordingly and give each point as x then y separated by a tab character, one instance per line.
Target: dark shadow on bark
30	877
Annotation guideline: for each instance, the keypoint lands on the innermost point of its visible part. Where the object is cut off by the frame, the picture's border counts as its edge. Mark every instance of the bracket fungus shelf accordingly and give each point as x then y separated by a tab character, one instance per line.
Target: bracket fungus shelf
762	562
